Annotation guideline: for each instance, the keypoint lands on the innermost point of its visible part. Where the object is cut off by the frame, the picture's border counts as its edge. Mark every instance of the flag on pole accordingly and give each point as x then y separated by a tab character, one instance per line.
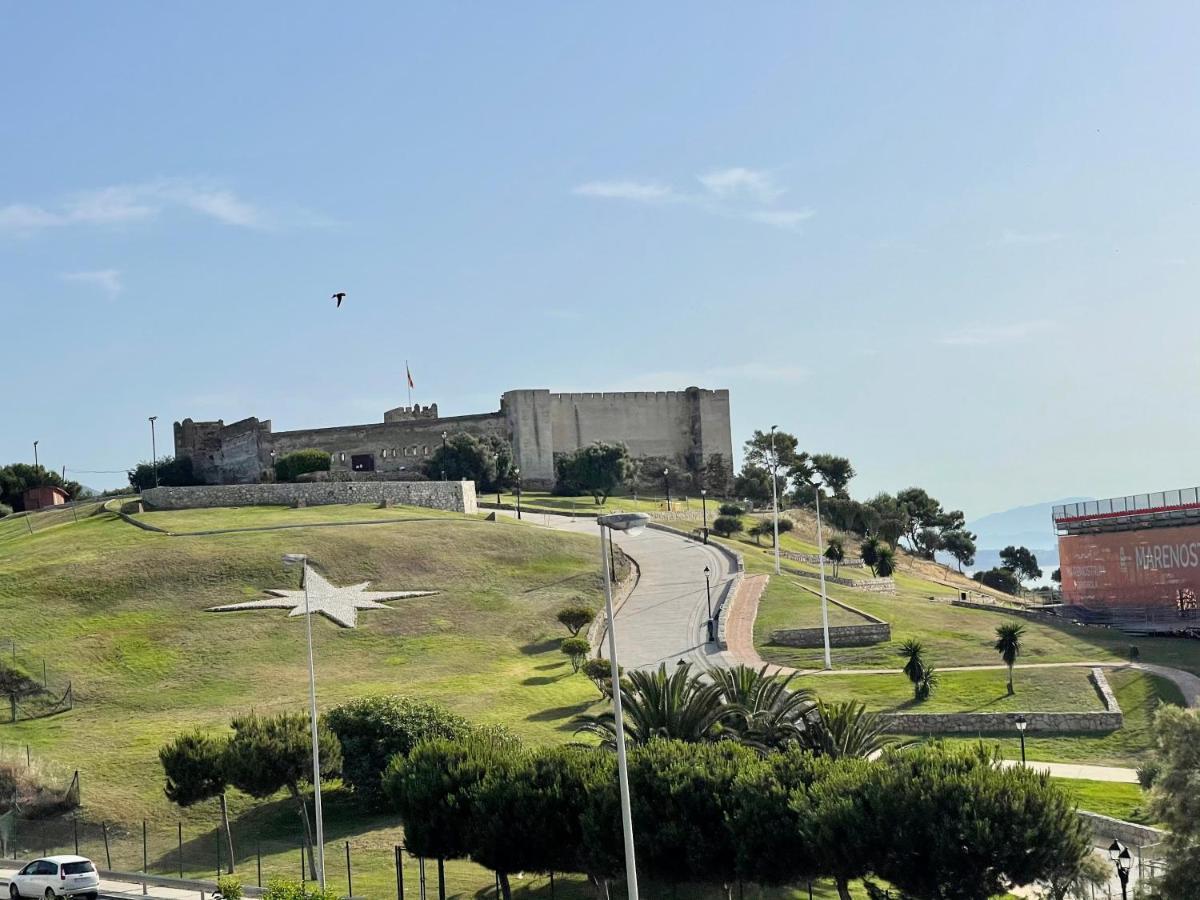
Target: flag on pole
408	372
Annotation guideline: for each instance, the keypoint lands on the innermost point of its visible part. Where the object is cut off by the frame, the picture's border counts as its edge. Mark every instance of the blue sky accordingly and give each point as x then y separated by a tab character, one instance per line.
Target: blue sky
954	242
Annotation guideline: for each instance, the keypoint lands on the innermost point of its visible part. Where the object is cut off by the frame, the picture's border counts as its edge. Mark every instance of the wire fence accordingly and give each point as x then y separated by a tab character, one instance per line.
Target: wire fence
24	524
45	693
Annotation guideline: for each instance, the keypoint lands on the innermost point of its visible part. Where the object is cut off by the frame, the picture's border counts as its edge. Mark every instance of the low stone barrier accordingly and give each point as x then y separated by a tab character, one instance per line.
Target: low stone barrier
839	636
1105	828
813	559
1024	613
870	585
453	496
1110	719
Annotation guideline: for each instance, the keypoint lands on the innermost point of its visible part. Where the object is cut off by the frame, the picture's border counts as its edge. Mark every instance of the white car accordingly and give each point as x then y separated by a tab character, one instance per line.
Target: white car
56	876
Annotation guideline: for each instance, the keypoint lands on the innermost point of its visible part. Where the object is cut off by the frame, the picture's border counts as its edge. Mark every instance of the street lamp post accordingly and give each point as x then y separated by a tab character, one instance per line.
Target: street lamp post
708	597
704	507
517	472
667	485
291	559
632	524
1022	724
775	507
35	458
153	451
443	456
1123	860
821	563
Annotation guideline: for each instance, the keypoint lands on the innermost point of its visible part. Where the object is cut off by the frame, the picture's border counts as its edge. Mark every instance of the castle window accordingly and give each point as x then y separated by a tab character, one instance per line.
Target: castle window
426	453
343	457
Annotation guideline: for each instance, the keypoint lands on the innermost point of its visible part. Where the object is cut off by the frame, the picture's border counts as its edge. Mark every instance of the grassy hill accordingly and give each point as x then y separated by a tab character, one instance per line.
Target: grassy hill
121	612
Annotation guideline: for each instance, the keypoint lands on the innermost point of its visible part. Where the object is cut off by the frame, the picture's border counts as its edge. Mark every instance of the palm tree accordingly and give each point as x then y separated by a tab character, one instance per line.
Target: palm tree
1008	645
869	553
914	664
768	712
885	562
847	729
835	553
678	705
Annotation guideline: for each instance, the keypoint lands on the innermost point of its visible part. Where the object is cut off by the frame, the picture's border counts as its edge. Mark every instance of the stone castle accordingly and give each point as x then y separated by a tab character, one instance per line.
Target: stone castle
684	431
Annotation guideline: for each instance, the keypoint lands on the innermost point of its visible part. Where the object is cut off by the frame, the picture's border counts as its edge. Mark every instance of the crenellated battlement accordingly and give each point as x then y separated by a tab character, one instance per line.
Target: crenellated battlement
408	413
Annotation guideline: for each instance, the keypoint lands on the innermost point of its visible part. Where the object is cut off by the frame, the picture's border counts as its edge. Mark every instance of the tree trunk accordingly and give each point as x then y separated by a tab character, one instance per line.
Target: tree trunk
228	833
505	887
1010	684
308	837
843	888
601	886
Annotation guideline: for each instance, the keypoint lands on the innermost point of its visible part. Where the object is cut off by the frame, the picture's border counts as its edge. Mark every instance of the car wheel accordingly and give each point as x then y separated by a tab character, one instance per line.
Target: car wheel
50	894
13	892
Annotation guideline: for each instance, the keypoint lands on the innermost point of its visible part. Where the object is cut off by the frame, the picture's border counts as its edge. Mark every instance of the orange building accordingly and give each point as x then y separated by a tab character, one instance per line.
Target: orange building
46	495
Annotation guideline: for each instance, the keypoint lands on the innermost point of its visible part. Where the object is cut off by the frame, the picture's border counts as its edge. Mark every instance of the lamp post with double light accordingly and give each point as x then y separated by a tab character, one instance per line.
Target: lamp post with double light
775	508
817	485
632	524
1022	723
517	474
443	456
1123	860
35	456
667	486
300	559
708	597
704	507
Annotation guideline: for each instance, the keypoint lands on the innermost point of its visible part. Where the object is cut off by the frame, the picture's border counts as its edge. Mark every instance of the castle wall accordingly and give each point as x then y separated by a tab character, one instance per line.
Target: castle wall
528	414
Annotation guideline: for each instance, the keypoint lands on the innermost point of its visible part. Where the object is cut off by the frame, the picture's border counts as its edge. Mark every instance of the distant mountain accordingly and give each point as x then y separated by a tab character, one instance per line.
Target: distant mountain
1022	526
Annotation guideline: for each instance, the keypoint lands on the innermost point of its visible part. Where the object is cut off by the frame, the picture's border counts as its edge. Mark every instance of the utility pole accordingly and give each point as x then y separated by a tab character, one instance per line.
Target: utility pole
153	451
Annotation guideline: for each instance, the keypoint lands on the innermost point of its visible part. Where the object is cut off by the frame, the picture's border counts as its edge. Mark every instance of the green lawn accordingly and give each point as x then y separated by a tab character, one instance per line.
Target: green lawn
185	520
1121	801
1138	694
1044	690
794	603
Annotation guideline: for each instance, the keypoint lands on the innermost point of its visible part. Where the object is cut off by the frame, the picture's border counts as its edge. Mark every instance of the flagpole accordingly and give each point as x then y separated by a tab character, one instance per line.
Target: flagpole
408	381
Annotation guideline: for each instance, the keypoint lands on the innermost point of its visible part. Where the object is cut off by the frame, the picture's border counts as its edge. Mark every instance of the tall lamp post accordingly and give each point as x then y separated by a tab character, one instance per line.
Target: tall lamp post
300	559
153	451
517	472
775	507
704	506
708	597
443	456
821	562
1123	860
632	524
667	485
35	459
1022	723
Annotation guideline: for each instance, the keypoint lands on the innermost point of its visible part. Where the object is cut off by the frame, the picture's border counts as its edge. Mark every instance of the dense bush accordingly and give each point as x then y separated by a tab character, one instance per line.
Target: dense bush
286	889
230	887
1000	580
576	618
17	478
577	649
291	466
487	461
599	469
726	525
374	729
732	509
599	670
172	472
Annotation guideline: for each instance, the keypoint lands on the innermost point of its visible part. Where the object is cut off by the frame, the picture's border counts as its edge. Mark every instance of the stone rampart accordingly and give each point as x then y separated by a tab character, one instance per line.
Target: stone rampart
1032	613
870	585
1110	719
814	559
454	496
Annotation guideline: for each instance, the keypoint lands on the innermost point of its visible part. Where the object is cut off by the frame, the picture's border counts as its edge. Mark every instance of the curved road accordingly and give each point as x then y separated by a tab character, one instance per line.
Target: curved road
663	620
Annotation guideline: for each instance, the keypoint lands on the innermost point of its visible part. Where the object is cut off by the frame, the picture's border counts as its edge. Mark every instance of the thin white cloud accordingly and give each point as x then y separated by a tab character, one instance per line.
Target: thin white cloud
1002	333
741	183
636	191
1010	237
123	203
736	192
107	280
781	218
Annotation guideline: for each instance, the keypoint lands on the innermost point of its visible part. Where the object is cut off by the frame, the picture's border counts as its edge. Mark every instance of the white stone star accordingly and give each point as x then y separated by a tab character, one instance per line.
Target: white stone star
338	604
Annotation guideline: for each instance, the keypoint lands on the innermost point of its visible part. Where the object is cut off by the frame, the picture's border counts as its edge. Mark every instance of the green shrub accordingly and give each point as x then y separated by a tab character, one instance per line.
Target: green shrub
374	729
732	509
230	887
576	618
726	525
287	889
169	471
599	670
577	648
291	466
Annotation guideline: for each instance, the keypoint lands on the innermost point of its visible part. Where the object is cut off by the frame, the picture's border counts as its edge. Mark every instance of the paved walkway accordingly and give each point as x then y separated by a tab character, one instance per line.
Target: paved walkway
663	620
110	888
1072	770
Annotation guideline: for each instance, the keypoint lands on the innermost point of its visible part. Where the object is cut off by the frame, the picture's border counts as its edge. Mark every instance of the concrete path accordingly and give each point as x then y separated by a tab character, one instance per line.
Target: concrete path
663	620
1073	770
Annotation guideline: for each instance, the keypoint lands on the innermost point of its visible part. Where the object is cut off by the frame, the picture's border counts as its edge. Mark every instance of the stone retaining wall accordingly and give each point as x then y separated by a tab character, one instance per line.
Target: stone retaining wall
870	585
1105	828
813	559
1000	608
839	636
1041	722
454	496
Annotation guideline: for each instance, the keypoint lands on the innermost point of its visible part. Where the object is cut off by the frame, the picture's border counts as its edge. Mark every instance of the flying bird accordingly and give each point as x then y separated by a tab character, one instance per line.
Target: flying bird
339	297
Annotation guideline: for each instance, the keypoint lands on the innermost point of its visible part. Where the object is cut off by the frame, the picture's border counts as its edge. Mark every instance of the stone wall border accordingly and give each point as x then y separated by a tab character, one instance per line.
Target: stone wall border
452	496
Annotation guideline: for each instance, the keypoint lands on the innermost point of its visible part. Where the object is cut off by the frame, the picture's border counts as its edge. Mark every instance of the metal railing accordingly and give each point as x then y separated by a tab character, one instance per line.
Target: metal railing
1129	505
